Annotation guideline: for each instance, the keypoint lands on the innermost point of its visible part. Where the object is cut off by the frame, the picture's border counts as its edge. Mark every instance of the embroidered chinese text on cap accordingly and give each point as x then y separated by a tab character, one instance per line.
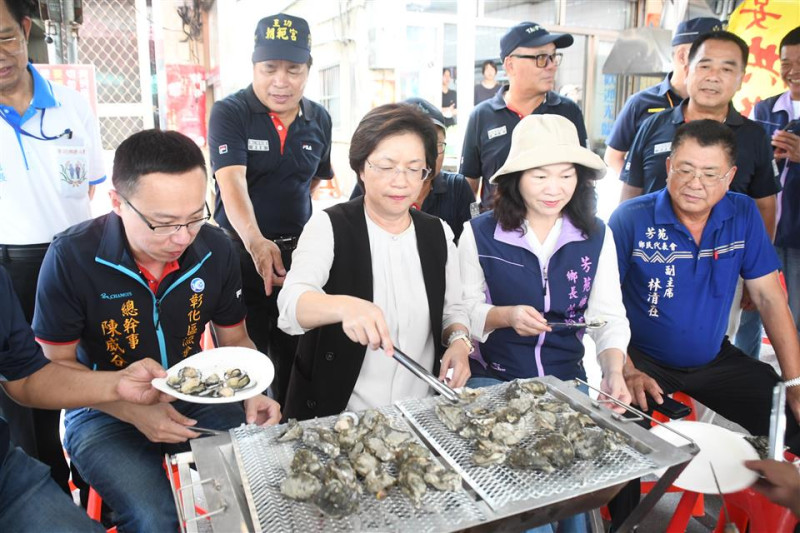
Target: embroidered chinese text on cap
540	140
530	34
282	37
688	31
429	109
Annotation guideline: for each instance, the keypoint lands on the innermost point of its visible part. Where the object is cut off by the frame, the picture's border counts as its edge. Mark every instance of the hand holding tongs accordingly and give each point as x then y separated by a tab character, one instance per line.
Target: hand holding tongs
422	373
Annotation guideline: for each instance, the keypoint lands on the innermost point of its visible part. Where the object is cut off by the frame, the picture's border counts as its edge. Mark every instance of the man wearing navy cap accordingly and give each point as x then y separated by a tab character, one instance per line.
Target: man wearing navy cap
530	59
269	147
665	95
448	195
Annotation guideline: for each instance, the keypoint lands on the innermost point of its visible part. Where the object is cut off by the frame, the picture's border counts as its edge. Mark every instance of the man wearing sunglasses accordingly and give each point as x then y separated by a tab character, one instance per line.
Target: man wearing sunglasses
50	159
530	58
143	281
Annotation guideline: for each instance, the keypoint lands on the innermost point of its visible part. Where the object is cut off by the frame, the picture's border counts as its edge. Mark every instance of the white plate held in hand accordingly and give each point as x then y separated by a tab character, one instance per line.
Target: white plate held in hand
724	448
257	366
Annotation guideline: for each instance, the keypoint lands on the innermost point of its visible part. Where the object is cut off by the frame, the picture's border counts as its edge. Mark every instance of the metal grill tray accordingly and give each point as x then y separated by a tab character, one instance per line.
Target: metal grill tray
501	486
264	463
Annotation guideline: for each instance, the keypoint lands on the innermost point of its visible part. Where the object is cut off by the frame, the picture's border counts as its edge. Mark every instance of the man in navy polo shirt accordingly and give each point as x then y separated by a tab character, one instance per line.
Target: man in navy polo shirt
665	95
142	282
681	251
269	147
774	114
29	499
530	58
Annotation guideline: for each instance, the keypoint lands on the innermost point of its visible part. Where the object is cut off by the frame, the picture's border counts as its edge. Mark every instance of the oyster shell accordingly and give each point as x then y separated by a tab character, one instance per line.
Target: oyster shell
293	431
300	486
346	422
442	478
528	459
488	452
192	385
379	449
337	499
590	444
188	372
412	482
378	482
508	434
321	439
452	416
238	382
557	449
306	461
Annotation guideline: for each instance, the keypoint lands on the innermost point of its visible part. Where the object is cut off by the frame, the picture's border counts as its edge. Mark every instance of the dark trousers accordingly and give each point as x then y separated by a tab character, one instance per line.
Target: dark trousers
734	385
262	320
34	430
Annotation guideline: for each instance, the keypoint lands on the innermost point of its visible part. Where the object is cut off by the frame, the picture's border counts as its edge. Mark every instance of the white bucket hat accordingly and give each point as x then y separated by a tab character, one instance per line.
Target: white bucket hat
540	140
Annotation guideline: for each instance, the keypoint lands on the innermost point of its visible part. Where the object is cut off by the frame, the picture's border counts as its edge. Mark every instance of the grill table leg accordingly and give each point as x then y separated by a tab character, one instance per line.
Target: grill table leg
649	501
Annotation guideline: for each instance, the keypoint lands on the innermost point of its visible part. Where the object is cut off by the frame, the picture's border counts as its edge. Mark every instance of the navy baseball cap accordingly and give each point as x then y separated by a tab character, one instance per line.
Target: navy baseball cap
530	34
429	109
283	37
689	30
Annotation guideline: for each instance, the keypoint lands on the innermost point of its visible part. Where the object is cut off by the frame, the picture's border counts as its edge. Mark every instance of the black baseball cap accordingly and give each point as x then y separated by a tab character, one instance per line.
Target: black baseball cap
283	37
429	109
689	30
530	34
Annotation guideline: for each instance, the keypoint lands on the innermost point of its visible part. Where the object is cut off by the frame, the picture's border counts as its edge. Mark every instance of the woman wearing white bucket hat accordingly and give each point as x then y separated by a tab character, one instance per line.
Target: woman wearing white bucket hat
542	256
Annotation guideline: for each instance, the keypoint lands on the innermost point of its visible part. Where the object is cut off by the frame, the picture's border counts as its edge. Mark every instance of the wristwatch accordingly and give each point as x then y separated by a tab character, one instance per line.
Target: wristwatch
460	335
794	382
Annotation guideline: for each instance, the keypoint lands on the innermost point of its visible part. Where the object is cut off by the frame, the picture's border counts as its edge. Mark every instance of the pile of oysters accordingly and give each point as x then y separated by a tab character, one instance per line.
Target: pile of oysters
189	380
360	452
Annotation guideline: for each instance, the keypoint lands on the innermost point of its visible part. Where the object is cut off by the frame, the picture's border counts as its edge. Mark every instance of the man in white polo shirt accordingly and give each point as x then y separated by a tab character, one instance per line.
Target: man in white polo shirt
51	158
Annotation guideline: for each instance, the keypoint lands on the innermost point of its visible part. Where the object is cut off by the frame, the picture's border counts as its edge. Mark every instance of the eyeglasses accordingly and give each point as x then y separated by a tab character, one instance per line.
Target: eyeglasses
169	229
441	146
542	59
12	45
386	172
707	179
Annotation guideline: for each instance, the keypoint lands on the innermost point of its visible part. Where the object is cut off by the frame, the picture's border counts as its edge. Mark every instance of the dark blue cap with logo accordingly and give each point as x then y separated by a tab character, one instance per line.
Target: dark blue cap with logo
689	30
282	37
429	109
530	34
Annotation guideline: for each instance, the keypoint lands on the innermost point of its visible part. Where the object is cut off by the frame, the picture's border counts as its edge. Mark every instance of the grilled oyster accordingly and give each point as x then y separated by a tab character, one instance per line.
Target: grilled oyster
452	416
346	422
520	389
175	381
293	431
372	418
379	449
342	470
378	482
300	486
396	439
557	449
508	414
212	380
442	478
188	372
589	444
192	385
238	382
321	439
412	482
306	461
467	395
411	451
488	452
528	459
508	434
363	461
337	499
521	404
233	373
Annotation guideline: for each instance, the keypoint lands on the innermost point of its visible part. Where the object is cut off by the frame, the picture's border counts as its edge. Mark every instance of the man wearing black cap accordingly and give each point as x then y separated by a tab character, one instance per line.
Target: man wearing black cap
528	53
664	95
448	195
269	147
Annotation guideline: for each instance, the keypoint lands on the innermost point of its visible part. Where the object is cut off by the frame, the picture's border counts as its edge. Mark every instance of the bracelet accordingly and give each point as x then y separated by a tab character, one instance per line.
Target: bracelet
462	335
794	382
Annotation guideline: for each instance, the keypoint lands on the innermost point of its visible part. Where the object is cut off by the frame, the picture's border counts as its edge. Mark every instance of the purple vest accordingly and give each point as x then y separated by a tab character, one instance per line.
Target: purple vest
559	290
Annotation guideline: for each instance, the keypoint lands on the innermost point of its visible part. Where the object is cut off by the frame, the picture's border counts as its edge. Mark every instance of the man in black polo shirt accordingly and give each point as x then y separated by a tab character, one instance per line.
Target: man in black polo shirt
269	148
665	95
529	56
143	281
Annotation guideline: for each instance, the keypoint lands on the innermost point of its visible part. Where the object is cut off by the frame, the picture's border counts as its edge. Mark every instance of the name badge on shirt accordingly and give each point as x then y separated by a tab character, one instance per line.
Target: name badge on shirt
497	132
663	147
73	168
257	145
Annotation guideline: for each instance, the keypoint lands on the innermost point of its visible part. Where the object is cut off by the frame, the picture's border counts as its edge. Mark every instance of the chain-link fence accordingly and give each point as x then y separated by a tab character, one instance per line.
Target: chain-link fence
109	39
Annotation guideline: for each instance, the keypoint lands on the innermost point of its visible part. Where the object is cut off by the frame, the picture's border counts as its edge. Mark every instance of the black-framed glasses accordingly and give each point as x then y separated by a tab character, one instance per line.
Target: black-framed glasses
441	146
707	179
387	171
169	229
542	59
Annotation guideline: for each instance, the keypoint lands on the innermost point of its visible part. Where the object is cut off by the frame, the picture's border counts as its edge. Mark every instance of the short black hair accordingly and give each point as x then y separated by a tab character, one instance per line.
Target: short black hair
790	39
386	121
721	36
488	63
150	151
510	210
707	132
20	9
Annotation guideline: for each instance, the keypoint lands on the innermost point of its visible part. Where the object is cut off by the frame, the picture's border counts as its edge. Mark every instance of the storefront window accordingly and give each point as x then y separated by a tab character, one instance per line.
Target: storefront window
605	14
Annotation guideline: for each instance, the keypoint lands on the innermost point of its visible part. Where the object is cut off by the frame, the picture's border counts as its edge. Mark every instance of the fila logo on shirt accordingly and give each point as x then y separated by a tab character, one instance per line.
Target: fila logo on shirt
307	147
497	132
223	149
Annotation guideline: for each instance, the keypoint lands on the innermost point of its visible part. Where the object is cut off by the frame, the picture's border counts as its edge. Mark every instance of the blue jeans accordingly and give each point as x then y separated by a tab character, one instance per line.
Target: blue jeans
125	468
572	524
749	336
790	261
30	500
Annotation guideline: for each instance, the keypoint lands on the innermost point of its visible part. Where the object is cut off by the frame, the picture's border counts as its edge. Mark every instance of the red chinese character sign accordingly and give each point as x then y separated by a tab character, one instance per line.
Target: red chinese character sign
762	24
78	77
186	101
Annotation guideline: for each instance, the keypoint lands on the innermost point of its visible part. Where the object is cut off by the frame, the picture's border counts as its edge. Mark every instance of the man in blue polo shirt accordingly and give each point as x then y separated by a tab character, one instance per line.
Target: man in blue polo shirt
269	148
530	59
681	251
50	159
143	281
29	499
665	95
773	114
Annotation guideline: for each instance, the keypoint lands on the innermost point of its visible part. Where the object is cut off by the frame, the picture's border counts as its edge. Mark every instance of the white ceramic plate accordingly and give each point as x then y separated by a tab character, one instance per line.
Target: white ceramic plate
724	448
217	361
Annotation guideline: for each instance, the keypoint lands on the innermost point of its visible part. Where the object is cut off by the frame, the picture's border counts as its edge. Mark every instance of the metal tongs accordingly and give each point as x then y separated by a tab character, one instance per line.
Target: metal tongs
592	324
730	527
422	373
